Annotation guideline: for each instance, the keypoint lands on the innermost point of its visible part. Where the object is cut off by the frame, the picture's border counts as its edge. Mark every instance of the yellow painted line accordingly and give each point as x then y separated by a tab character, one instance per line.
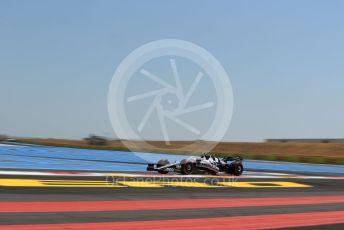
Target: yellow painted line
56	183
21	183
188	184
73	182
144	184
261	184
82	186
76	181
141	184
157	184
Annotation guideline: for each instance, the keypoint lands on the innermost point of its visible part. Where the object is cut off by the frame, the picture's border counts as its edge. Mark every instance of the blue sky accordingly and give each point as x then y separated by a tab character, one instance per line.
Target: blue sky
285	60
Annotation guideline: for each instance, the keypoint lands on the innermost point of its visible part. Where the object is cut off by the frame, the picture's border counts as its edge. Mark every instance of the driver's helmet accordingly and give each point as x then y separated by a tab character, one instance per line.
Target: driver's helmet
206	156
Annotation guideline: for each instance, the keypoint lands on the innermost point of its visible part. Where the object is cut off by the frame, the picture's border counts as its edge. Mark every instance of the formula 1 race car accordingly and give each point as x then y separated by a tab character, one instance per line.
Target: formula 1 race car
198	165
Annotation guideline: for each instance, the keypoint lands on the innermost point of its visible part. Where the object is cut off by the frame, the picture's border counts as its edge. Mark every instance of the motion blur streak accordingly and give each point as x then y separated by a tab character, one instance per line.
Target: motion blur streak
239	222
82	206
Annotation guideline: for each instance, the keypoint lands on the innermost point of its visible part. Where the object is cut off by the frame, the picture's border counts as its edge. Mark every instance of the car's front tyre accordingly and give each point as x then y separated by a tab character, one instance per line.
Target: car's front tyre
187	168
162	163
236	169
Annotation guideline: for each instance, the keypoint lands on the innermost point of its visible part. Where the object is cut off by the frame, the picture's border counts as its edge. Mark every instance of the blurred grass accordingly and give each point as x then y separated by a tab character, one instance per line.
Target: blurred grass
318	153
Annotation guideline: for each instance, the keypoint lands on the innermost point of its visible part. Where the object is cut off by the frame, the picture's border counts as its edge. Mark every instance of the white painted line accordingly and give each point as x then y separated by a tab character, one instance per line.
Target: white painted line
265	176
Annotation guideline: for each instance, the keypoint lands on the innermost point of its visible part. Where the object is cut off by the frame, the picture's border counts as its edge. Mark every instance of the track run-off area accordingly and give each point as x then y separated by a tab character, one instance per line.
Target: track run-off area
62	188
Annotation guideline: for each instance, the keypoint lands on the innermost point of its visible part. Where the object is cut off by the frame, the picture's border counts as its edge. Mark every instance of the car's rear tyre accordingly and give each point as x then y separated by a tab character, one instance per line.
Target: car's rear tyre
236	168
162	163
187	168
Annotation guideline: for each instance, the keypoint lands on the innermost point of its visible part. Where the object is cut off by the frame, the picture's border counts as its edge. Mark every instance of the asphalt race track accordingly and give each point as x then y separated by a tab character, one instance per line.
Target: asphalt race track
118	201
88	199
